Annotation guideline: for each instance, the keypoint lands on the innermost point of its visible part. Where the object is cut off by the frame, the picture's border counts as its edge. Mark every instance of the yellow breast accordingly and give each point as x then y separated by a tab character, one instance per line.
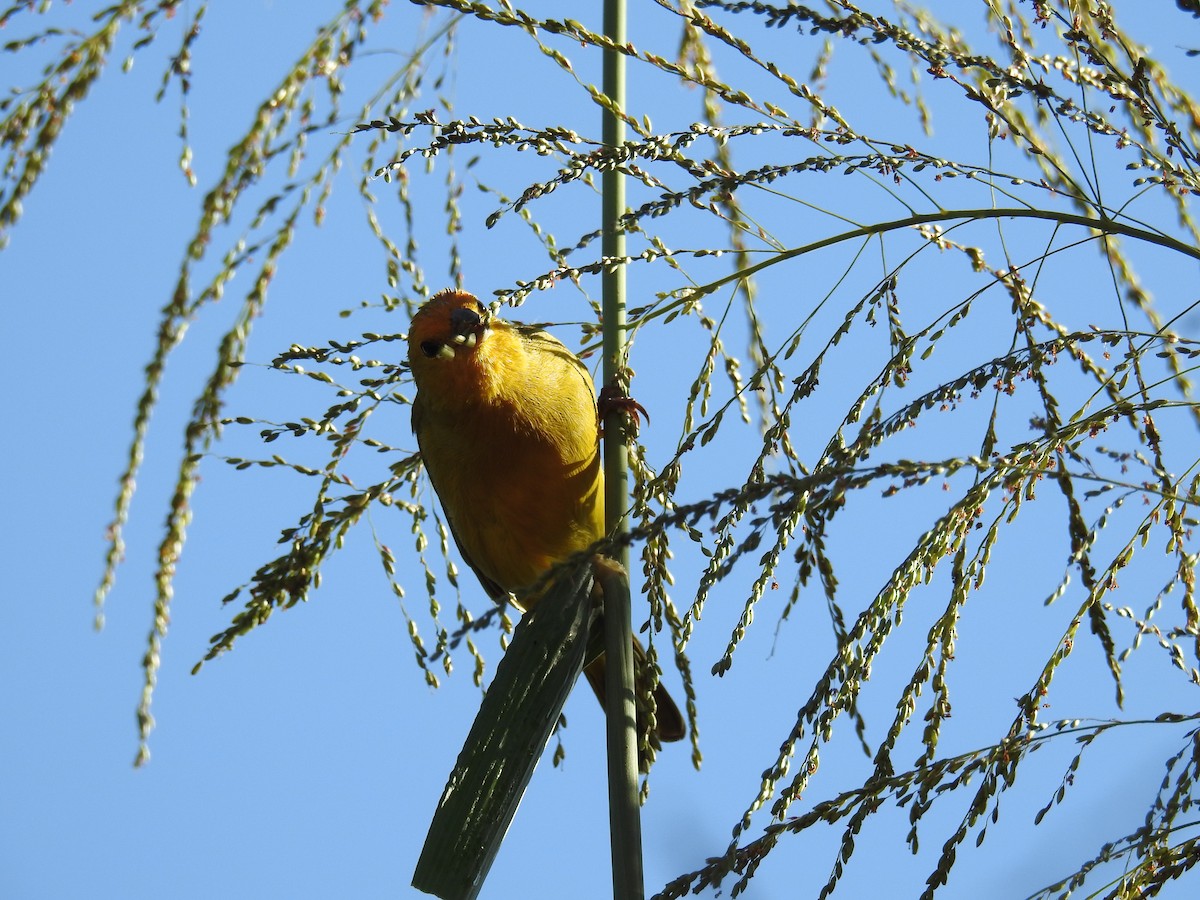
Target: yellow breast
509	437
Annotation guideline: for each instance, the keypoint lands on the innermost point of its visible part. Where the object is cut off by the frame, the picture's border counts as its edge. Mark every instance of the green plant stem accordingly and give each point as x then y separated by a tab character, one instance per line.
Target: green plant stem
1108	226
624	811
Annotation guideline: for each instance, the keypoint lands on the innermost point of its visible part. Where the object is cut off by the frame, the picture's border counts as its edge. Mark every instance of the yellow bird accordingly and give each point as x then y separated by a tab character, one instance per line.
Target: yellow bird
507	423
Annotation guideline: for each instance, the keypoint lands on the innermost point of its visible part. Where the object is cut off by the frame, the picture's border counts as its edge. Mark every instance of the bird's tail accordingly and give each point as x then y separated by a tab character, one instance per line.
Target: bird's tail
669	722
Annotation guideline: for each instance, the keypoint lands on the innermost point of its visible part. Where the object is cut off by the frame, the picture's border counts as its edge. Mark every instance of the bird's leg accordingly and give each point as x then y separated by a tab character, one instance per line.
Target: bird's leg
613	397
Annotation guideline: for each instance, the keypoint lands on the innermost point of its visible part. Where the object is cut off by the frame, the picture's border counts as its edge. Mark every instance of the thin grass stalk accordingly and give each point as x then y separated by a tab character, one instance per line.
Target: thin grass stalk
624	810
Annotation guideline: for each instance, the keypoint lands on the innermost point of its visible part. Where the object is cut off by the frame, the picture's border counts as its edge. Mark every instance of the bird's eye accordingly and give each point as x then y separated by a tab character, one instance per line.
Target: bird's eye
431	348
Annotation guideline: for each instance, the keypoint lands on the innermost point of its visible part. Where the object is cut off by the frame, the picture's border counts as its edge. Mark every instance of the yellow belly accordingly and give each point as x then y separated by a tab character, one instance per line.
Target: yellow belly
517	501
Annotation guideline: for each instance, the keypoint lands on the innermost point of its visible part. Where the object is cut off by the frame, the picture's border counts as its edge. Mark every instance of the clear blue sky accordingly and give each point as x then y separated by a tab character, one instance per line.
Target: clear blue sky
308	762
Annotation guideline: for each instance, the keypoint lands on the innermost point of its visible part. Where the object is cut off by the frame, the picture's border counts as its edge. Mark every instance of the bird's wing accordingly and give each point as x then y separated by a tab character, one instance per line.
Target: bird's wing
540	340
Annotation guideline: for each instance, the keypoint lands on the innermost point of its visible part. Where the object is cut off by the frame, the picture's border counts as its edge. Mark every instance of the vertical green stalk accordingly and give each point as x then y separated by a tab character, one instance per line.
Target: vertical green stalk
625	825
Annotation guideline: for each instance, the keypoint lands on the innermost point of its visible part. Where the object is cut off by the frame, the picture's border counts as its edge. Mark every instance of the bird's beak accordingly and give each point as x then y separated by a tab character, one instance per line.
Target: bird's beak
467	326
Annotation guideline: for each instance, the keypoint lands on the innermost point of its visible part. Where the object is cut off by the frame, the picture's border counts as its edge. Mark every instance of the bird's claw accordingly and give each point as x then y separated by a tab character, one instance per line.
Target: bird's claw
613	397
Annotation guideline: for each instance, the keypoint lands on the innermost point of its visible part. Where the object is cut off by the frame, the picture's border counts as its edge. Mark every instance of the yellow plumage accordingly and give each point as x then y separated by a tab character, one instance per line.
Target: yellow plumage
506	420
